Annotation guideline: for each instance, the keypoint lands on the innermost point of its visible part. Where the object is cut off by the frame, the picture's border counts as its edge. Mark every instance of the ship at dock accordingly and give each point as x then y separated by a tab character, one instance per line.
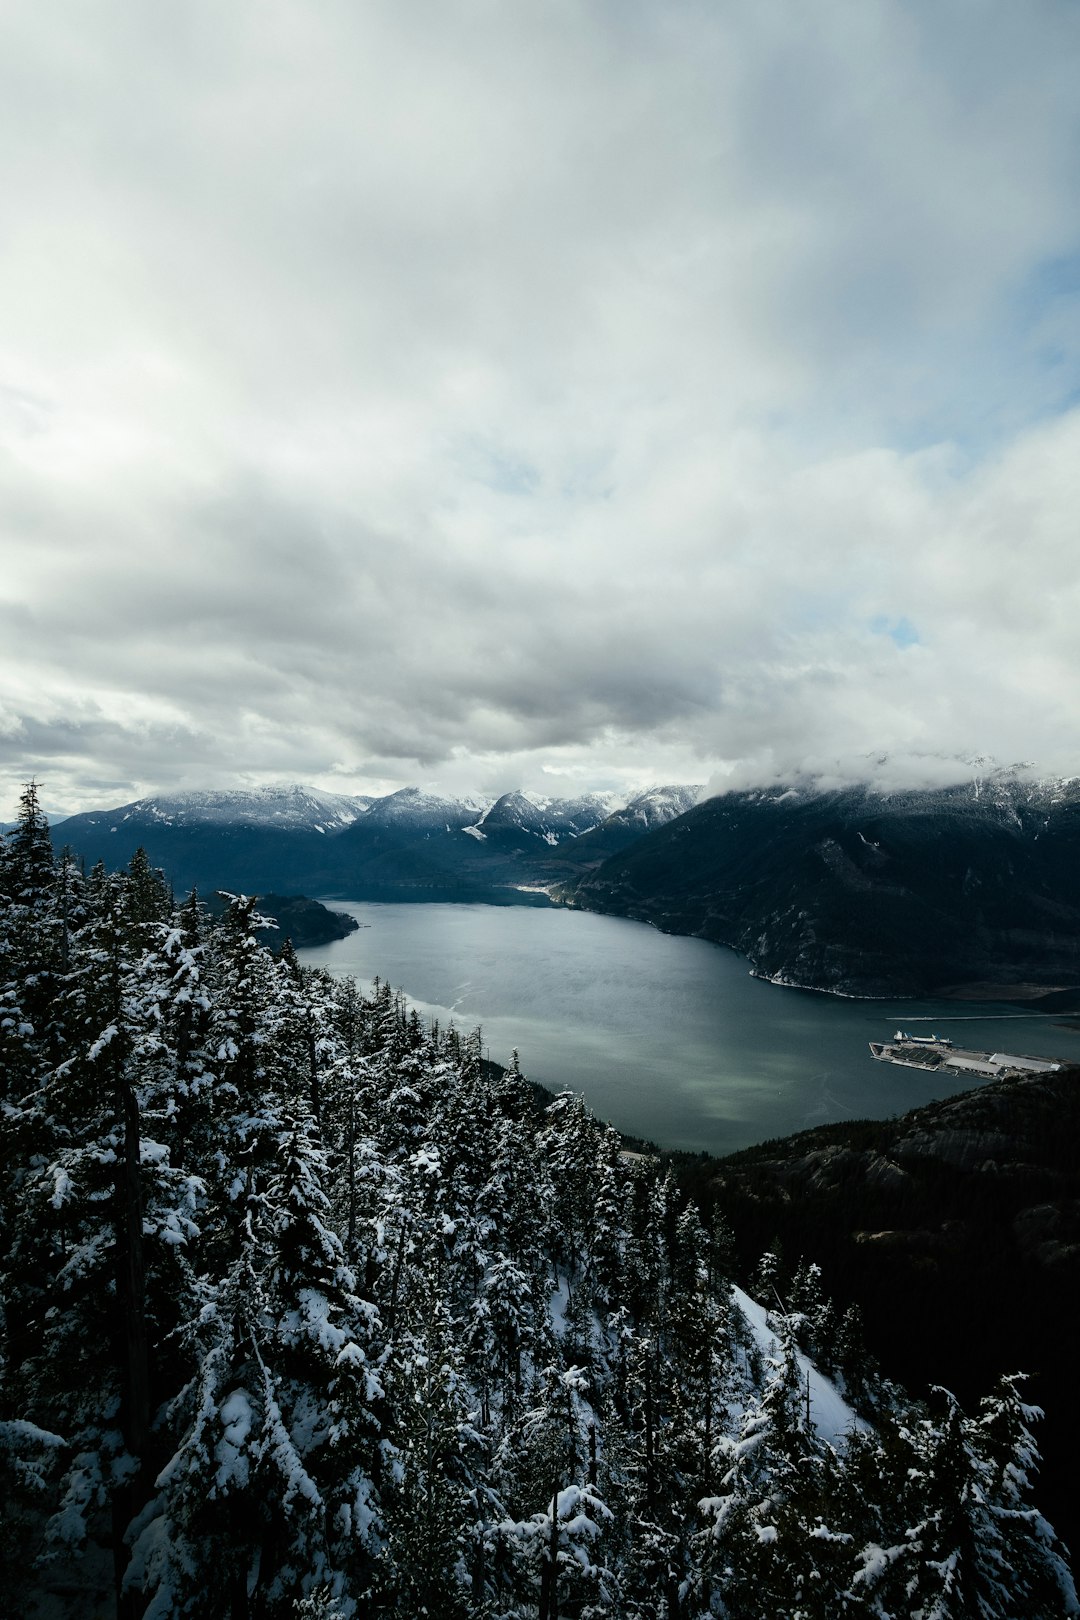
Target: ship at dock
938	1052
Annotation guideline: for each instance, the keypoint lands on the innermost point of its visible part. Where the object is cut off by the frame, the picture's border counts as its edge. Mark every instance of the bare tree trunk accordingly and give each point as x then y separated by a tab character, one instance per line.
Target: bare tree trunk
391	1310
313	1074
649	1437
708	1408
549	1578
136	1415
135	1370
351	1146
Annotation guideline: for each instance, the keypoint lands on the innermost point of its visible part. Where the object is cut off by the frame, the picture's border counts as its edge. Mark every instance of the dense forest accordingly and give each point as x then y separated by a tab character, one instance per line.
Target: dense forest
308	1311
956	1229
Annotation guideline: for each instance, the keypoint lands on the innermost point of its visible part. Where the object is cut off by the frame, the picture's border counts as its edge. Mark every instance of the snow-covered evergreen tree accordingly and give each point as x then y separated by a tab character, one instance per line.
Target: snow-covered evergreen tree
308	1310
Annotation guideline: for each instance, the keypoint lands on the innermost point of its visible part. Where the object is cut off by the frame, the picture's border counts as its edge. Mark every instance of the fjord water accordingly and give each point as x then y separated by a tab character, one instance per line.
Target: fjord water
668	1038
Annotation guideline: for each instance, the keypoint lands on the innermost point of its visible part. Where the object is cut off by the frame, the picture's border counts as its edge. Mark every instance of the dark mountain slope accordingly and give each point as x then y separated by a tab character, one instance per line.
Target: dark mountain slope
242	859
247	841
643	814
956	1228
866	894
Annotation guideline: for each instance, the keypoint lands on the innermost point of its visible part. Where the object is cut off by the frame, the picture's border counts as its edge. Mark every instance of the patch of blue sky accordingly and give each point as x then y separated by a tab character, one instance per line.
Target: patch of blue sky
509	475
1047	284
497	468
901	631
1041	332
972	385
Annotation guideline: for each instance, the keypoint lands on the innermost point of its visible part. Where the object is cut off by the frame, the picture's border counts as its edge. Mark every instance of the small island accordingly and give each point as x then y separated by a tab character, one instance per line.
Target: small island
305	922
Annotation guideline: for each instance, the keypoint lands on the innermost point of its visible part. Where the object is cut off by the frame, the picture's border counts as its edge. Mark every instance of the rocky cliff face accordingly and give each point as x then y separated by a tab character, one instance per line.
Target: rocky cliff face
868	894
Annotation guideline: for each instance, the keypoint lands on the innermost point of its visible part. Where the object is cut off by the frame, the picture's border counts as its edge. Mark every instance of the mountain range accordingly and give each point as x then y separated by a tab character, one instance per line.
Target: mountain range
971	889
407	845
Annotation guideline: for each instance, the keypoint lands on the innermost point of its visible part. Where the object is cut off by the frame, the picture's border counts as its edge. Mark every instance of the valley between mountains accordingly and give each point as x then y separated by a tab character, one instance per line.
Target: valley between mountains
971	890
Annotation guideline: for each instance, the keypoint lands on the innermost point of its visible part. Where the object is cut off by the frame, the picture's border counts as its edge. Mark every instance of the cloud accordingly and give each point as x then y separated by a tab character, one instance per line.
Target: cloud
598	394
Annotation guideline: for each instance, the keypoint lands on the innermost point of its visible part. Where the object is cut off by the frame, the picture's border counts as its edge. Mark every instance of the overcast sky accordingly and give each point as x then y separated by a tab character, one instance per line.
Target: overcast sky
484	394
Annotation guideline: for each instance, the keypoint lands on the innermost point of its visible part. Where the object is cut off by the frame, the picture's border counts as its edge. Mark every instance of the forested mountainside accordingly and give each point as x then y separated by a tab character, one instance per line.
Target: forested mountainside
407	845
955	1228
976	886
307	1311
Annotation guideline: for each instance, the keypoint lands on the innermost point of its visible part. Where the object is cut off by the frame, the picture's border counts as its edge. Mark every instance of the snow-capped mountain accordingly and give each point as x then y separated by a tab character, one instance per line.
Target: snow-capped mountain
551	820
254	839
624	824
413	807
415	842
866	891
655	807
290	806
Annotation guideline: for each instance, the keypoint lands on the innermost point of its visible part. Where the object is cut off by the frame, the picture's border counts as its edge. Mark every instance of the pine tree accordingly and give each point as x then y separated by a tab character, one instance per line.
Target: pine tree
429	1562
559	1545
767	1282
31	951
969	1544
762	1550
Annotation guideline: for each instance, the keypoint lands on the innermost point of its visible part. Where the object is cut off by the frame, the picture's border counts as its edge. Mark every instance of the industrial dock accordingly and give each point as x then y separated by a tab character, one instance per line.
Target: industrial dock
937	1052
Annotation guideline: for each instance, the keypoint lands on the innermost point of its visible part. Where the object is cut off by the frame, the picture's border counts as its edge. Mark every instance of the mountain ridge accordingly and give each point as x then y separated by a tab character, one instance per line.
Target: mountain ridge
866	893
971	889
414	843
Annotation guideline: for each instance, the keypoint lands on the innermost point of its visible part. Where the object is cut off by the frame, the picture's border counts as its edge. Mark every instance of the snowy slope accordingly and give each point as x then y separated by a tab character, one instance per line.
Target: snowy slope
415	807
830	1414
289	807
551	820
655	807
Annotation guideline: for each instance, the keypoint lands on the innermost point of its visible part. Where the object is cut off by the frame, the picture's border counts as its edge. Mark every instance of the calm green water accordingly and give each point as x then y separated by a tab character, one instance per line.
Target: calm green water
668	1038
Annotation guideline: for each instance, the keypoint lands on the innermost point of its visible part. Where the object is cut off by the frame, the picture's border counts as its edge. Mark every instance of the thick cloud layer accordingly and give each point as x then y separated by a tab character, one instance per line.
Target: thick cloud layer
567	394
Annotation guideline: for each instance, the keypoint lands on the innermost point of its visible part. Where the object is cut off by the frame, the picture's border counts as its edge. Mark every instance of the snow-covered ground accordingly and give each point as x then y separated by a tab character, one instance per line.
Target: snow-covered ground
830	1414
